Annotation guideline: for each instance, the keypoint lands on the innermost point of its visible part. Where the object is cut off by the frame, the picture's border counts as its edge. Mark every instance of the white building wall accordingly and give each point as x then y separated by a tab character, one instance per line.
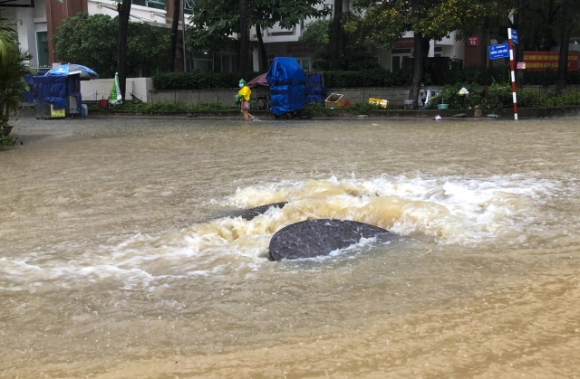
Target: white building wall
28	21
277	34
97	89
138	12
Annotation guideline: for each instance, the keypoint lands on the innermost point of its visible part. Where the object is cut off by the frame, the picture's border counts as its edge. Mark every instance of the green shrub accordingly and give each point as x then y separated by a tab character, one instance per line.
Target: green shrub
202	80
568	99
449	94
169	107
497	96
377	77
8	140
530	98
197	80
366	108
317	109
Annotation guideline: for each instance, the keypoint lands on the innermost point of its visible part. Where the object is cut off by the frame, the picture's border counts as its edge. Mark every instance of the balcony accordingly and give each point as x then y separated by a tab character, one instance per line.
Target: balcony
152	11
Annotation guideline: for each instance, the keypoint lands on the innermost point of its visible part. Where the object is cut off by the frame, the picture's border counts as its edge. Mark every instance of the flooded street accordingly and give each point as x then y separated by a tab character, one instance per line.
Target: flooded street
121	255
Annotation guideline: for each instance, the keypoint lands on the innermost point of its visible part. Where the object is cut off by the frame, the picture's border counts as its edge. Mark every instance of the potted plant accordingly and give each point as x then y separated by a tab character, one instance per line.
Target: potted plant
442	105
12	71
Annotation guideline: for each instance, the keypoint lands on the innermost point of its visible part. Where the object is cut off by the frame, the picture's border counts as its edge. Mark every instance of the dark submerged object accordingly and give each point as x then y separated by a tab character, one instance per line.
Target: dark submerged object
248	214
312	238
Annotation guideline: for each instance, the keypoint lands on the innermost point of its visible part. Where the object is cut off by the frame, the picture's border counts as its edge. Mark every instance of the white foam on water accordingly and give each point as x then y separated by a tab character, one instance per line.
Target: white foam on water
445	210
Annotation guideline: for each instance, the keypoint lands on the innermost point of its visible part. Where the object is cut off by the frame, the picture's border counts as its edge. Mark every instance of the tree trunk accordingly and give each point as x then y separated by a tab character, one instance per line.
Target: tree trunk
564	44
244	41
263	57
174	27
420	45
335	36
124	10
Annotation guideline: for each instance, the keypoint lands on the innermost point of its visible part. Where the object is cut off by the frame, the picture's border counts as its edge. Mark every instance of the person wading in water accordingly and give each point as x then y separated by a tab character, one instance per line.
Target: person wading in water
243	99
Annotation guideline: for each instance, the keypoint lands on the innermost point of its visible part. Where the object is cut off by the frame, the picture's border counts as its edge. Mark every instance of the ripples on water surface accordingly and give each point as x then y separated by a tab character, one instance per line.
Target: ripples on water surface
121	256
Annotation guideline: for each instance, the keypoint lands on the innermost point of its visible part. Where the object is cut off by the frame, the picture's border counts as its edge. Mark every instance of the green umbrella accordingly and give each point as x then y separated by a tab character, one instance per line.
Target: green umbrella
115	96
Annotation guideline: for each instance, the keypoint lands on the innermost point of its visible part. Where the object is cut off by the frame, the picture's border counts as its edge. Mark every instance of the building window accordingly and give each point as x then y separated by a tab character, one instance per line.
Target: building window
303	61
200	61
397	57
157	4
437	51
188	6
225	63
42	49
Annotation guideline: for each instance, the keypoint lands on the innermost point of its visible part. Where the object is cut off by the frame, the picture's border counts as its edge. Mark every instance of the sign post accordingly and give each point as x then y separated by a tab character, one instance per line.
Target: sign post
511	41
499	51
515	37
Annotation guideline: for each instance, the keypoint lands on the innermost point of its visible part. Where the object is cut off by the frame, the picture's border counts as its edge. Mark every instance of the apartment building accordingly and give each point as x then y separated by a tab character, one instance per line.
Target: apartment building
285	42
36	22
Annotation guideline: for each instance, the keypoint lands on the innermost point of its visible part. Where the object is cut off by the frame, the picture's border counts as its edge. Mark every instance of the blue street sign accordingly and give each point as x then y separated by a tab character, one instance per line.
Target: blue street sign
499	51
514	36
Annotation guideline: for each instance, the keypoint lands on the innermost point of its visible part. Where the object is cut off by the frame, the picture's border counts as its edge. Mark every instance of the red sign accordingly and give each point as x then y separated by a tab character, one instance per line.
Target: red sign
473	41
548	60
405	43
296	47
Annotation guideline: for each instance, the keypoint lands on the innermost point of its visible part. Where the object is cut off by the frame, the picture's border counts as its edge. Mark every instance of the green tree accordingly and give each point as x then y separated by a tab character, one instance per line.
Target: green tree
213	24
7	37
542	25
13	67
385	22
146	48
316	38
91	41
88	40
353	55
549	24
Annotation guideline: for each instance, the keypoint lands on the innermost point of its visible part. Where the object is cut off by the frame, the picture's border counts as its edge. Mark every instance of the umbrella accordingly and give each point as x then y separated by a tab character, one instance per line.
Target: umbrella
115	96
259	81
73	69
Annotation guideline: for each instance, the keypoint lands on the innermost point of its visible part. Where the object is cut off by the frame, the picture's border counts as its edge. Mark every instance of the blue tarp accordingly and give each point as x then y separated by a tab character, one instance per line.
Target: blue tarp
53	89
287	85
316	92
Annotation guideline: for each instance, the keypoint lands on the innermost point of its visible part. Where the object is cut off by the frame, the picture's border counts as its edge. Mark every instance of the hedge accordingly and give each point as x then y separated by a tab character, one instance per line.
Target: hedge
365	78
197	80
500	95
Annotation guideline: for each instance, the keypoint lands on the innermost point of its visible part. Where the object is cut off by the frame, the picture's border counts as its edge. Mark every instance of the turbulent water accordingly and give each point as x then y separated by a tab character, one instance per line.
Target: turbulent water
122	255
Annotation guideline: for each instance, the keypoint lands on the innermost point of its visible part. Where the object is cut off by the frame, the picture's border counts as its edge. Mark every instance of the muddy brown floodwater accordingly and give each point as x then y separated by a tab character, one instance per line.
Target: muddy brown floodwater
120	256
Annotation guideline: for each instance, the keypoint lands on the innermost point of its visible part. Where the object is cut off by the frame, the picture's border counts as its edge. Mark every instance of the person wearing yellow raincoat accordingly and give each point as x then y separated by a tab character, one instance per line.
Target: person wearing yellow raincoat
243	99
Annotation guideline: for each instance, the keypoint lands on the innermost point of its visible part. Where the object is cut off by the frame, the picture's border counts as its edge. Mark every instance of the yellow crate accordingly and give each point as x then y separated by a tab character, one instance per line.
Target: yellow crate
56	112
383	103
335	100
